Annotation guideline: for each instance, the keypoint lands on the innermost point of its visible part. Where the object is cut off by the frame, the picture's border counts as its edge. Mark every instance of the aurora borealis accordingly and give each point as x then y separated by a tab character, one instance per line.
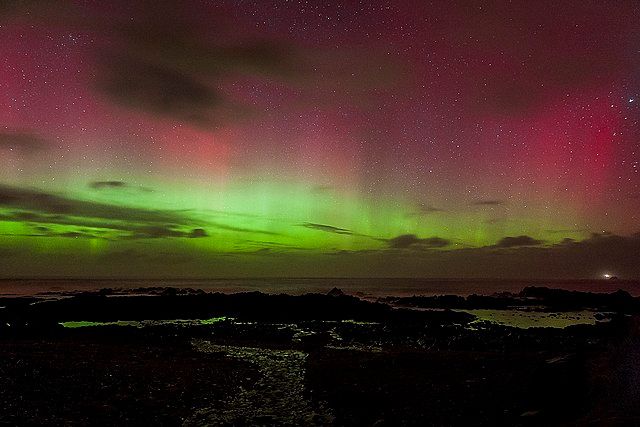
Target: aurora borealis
273	138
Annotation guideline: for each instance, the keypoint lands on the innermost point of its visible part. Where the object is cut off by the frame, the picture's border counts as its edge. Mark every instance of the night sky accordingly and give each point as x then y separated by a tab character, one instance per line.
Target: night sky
274	138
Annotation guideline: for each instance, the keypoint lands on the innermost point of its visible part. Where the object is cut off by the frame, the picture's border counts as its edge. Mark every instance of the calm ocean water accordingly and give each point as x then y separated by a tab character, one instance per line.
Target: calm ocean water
374	287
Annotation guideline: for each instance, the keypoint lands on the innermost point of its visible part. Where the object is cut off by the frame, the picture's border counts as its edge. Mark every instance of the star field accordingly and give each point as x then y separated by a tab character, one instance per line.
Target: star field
313	138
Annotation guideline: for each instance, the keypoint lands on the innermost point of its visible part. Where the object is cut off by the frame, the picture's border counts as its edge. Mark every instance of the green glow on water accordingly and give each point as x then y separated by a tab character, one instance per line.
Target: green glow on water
85	324
144	323
534	319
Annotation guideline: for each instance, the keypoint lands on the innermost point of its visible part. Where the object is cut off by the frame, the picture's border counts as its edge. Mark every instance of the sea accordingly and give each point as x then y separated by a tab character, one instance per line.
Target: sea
361	287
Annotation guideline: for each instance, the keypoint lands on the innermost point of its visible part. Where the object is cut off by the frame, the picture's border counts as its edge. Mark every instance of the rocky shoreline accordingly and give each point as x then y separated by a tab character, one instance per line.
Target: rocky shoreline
185	357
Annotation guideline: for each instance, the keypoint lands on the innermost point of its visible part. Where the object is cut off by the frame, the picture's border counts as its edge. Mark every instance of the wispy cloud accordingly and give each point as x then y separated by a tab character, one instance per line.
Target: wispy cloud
33	206
518	241
327	228
37	207
21	141
117	185
38	203
98	185
425	209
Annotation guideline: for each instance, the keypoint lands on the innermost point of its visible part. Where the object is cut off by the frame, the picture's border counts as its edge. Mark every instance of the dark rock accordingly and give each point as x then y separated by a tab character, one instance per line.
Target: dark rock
335	292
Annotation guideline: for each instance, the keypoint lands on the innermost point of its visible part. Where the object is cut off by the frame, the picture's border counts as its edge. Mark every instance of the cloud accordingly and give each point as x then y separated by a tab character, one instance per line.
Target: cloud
327	228
602	240
164	65
425	209
158	232
98	185
263	251
519	241
40	231
32	206
430	209
115	185
405	241
22	141
243	229
183	62
568	259
134	231
160	59
197	233
158	89
44	203
71	220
